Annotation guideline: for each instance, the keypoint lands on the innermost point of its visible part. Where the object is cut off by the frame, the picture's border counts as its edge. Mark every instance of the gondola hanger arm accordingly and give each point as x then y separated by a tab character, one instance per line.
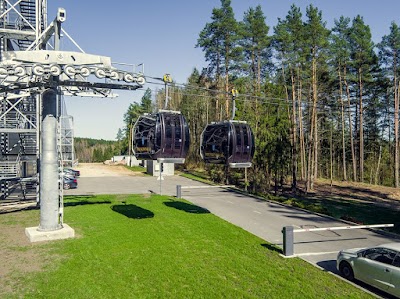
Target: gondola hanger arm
167	79
234	94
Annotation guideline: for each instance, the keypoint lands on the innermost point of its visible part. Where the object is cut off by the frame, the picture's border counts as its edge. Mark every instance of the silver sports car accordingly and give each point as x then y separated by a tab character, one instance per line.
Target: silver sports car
377	266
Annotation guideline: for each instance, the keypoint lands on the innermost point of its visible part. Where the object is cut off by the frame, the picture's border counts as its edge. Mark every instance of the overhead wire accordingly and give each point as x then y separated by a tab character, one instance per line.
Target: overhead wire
249	97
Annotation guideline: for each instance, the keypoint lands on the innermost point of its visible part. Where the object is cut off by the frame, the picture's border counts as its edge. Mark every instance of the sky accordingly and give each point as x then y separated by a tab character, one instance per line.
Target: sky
162	35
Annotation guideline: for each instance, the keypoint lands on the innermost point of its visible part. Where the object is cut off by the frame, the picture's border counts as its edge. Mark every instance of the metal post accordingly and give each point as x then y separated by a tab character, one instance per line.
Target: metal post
234	93
178	191
167	79
49	197
130	146
48	173
57	35
245	179
288	240
226	174
166	96
161	178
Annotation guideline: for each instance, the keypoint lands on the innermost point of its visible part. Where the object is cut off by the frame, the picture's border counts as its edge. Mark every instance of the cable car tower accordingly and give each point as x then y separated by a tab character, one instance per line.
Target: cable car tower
35	131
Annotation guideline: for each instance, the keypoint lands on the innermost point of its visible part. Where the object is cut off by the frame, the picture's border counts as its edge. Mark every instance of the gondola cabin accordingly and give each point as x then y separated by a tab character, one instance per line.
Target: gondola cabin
162	136
229	142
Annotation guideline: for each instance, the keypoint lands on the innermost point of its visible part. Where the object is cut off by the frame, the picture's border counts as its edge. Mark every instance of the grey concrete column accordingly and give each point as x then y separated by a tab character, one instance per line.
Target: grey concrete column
288	241
48	175
49	197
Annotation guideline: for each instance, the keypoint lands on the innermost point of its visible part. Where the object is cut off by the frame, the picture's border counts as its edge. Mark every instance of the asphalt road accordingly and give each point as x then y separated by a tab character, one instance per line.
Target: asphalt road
261	218
129	185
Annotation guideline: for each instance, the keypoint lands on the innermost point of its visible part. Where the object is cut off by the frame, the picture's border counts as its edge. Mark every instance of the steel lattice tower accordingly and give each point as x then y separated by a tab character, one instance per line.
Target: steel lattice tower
21	23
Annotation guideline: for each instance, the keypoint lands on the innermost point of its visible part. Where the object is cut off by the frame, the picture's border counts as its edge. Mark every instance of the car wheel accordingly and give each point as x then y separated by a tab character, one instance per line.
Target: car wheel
66	186
346	270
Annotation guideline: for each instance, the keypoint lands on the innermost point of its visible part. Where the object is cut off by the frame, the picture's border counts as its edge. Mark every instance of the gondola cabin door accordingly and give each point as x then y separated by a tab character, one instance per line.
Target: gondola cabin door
243	147
229	142
172	135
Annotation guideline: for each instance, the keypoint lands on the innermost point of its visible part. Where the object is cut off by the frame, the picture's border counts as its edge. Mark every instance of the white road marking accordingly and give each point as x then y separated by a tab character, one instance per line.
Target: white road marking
258	212
315	253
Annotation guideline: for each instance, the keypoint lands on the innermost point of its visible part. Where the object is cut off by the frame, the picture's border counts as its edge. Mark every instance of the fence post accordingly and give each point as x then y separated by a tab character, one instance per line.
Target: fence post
178	191
288	240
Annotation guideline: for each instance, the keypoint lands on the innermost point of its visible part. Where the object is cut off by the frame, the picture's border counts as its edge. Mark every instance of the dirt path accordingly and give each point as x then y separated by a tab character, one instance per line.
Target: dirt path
103	170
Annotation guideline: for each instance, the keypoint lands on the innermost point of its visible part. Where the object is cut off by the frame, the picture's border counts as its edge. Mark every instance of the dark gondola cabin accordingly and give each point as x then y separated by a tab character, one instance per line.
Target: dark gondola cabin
162	135
229	142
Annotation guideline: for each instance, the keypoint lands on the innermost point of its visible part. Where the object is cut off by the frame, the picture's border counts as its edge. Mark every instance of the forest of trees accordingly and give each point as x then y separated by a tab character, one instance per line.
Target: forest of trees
89	150
322	102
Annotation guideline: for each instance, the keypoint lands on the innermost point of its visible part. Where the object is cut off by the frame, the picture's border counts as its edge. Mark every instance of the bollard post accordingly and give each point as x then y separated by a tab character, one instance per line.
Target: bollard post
178	191
288	240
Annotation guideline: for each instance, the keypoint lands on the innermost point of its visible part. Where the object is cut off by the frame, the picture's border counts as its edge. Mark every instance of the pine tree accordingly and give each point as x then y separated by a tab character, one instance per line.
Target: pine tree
389	55
146	103
316	39
363	61
219	40
196	108
288	43
119	135
255	43
97	155
340	53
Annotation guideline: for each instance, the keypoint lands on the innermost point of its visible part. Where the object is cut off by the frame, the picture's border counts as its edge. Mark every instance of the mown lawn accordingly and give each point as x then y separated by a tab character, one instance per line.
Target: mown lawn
155	247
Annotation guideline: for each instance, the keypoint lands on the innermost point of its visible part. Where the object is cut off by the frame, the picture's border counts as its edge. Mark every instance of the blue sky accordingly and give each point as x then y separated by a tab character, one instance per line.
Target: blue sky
163	35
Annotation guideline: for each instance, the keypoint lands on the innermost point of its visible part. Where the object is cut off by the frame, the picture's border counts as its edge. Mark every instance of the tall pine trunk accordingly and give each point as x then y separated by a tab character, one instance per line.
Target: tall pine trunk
361	122
227	98
301	129
315	99
396	131
342	118
294	134
353	152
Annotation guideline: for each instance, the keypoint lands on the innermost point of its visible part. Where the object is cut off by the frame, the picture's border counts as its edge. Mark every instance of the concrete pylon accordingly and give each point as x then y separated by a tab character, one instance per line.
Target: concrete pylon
49	196
50	227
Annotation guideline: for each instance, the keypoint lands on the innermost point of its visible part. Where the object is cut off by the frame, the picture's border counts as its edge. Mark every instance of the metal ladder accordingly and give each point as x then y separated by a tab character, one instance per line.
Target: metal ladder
60	171
27	9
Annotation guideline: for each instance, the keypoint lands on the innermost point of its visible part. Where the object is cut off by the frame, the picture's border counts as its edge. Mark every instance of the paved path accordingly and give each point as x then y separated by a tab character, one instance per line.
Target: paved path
266	220
261	218
129	185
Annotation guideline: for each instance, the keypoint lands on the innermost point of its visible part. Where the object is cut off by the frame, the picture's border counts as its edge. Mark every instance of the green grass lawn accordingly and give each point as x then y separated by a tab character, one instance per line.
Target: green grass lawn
155	247
136	169
197	177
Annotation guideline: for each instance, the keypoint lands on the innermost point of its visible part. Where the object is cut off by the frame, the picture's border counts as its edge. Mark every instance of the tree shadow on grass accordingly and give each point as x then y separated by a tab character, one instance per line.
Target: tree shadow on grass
76	197
186	207
132	211
84	202
81	200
